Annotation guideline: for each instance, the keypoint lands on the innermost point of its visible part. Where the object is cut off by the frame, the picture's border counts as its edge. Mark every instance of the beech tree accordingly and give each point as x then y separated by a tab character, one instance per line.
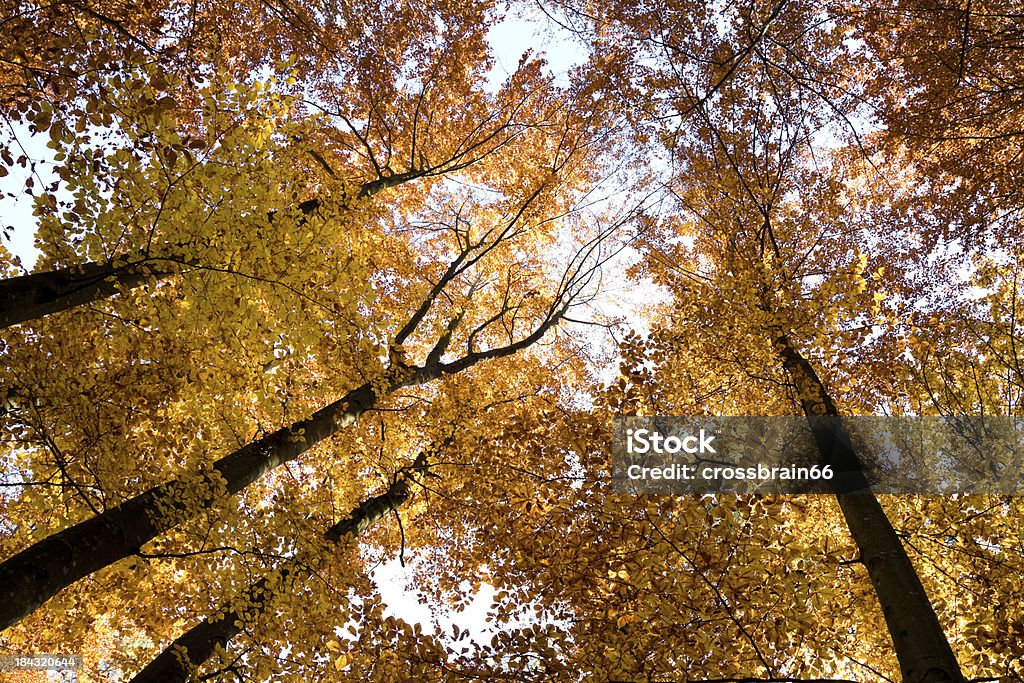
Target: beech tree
51	564
479	235
743	154
318	290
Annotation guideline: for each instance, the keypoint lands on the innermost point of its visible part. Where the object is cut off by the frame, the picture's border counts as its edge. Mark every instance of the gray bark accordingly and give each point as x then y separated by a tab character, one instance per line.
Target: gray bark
923	652
32	296
35	295
37	573
179	660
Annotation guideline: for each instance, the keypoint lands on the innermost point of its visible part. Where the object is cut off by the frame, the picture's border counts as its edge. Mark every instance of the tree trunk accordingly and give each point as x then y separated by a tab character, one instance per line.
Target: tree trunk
35	295
37	573
923	652
179	660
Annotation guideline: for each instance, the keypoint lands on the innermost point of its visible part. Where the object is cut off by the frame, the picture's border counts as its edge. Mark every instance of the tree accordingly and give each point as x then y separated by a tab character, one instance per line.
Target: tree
53	563
738	170
489	308
180	659
761	247
370	247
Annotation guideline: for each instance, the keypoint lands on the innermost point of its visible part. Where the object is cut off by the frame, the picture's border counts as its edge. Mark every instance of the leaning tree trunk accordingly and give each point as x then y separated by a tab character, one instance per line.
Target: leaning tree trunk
37	573
35	295
923	652
179	660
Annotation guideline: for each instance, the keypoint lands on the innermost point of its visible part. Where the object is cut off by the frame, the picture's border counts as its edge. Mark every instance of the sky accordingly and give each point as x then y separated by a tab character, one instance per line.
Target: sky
516	33
16	211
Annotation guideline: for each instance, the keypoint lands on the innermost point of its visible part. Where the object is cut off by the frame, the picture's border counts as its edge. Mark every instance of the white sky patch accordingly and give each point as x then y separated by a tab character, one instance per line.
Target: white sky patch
396	585
16	217
523	30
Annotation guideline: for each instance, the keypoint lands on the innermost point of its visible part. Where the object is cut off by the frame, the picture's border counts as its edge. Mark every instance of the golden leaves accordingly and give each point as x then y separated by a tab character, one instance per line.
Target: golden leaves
342	662
271	309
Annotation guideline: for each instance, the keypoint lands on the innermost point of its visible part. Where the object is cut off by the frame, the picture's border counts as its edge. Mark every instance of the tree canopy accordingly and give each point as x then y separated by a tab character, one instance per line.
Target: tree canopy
322	287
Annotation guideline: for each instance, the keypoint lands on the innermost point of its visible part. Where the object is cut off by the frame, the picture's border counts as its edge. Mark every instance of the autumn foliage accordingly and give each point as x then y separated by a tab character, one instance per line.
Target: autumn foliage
326	287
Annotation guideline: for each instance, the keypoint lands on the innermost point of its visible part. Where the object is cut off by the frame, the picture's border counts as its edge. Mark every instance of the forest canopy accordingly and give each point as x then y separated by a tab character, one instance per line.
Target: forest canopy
325	292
